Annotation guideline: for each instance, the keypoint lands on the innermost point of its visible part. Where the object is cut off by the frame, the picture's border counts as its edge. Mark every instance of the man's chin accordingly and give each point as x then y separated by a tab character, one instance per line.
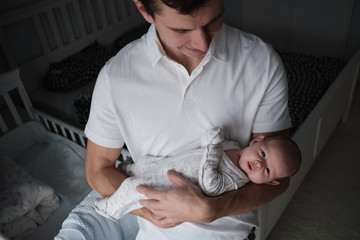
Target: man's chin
190	52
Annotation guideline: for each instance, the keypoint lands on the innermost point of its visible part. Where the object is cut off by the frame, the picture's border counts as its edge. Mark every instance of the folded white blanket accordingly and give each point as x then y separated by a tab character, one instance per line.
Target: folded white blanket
50	158
25	202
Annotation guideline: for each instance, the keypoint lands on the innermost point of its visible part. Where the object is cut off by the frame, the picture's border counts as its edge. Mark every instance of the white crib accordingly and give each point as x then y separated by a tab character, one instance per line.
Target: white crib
117	17
46	148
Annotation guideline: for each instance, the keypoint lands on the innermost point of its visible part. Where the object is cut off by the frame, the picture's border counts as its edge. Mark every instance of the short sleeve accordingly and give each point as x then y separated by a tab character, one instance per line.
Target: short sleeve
103	126
273	113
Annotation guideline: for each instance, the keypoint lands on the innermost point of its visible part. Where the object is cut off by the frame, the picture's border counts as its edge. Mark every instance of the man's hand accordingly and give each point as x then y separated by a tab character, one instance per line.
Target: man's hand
155	219
184	203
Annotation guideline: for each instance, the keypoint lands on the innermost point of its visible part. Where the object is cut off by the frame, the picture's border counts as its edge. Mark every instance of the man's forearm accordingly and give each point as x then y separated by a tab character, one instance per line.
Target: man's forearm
106	181
247	198
101	173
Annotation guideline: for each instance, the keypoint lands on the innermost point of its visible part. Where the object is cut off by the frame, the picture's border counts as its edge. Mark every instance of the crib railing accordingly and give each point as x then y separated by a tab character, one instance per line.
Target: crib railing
61	128
16	109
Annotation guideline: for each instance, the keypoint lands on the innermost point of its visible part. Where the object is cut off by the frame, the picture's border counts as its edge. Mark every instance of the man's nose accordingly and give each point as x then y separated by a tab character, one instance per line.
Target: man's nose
201	39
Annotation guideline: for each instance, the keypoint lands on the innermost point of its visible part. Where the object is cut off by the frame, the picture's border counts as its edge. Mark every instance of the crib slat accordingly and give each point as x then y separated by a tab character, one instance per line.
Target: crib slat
3	126
79	19
54	28
12	109
44	44
11	60
67	24
63	131
102	12
54	127
46	123
25	99
112	11
82	141
72	136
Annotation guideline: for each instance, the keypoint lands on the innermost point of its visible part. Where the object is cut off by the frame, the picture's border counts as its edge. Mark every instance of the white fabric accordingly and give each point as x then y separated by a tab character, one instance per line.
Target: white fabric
150	102
50	158
208	167
53	160
25	201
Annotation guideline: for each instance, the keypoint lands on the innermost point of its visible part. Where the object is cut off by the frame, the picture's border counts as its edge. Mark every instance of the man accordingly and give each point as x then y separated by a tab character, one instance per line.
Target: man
189	73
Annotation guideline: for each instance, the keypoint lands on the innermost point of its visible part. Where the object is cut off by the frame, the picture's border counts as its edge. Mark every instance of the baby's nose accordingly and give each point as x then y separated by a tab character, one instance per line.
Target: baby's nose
258	164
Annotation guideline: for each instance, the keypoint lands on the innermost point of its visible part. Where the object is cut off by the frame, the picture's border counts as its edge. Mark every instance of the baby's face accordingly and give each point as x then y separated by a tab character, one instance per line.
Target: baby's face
262	162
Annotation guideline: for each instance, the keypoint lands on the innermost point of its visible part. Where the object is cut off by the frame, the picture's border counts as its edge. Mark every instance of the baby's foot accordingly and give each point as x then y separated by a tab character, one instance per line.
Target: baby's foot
213	136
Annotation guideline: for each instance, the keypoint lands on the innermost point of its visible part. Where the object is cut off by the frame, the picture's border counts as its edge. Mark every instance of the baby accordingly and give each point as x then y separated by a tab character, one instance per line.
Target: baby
265	160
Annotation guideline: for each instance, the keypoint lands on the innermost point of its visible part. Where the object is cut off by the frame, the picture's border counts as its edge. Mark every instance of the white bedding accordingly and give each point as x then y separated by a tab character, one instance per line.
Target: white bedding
25	201
53	160
50	158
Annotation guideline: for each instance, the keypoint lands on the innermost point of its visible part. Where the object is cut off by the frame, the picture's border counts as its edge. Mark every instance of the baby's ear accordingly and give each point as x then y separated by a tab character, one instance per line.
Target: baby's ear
257	139
273	182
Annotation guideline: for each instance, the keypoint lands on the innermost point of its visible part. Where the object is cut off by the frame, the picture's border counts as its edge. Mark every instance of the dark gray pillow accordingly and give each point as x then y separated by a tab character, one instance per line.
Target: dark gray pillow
309	77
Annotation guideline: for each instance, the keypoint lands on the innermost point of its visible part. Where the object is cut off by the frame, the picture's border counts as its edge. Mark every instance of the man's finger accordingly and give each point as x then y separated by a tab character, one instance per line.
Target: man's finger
148	192
153	206
176	178
168	223
149	203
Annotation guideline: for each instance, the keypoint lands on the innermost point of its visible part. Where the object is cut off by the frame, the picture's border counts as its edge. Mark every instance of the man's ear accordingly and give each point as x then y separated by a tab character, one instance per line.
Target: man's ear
143	11
273	182
257	139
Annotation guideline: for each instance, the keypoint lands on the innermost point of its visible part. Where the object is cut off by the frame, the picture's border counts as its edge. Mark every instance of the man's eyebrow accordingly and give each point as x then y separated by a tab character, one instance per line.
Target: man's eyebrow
211	21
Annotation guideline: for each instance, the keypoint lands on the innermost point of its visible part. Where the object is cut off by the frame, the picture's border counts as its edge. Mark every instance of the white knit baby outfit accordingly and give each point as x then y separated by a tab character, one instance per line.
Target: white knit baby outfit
208	167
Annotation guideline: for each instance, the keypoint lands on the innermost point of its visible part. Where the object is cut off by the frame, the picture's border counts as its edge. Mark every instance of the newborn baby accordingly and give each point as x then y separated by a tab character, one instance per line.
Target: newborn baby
217	167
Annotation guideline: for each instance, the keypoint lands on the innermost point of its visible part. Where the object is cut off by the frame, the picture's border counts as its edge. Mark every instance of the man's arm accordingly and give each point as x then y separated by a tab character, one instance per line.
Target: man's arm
247	198
104	178
186	203
101	173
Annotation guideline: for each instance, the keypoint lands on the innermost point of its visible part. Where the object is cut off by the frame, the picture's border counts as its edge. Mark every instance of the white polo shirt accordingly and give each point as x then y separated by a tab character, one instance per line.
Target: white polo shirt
151	103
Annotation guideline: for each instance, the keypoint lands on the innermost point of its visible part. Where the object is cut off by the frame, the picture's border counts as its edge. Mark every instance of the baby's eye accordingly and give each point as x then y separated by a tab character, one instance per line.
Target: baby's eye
263	154
267	170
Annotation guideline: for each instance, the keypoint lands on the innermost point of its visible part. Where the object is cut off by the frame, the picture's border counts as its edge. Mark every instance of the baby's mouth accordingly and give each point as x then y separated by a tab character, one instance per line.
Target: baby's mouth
249	166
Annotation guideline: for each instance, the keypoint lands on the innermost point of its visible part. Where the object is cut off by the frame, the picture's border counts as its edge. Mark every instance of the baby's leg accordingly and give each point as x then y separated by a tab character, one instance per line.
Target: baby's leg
123	201
142	166
213	136
209	177
212	143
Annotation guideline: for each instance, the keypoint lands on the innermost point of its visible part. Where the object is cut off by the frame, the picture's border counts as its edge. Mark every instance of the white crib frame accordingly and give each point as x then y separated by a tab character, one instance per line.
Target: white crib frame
332	109
33	71
11	81
312	135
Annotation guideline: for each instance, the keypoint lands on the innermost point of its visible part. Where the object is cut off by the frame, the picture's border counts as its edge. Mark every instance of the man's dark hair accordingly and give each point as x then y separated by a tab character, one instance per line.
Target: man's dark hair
182	6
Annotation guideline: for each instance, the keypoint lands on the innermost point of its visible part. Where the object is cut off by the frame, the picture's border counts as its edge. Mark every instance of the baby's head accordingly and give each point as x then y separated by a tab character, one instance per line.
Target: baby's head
268	159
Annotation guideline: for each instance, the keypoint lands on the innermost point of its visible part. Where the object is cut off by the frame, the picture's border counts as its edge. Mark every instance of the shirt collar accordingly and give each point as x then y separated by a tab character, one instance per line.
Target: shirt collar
154	46
218	48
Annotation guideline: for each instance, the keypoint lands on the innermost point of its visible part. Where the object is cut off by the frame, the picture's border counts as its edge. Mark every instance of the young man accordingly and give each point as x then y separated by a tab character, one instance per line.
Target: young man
188	73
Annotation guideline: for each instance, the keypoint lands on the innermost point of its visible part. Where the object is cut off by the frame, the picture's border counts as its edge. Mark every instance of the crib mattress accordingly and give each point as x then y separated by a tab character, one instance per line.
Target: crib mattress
55	161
